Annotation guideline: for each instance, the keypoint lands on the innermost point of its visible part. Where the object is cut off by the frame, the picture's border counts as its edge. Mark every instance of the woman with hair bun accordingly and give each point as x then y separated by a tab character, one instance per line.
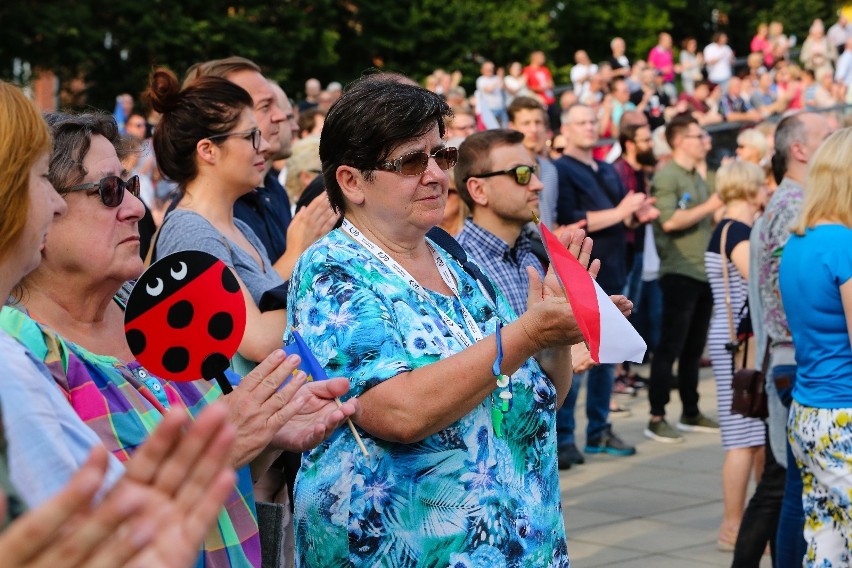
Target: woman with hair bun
209	143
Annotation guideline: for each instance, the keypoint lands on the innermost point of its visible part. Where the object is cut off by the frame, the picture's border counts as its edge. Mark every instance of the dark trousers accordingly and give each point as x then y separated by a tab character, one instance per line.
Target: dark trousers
687	308
760	519
791	545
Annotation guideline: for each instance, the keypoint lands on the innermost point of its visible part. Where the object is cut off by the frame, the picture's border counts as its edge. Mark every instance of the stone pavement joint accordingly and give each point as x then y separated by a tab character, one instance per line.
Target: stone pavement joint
660	508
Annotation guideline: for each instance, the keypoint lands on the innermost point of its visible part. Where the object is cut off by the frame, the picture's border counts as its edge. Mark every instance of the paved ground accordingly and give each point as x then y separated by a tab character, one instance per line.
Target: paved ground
660	508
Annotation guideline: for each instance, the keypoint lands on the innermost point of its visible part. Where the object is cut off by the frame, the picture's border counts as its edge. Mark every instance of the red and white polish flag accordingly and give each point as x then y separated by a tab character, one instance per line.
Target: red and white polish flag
611	338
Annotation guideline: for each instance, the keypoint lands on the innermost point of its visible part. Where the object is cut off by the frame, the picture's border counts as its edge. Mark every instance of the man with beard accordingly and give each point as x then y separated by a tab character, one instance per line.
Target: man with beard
496	178
634	166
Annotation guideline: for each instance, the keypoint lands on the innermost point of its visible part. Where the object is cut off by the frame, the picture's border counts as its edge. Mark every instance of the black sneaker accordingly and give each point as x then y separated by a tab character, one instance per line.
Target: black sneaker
610	444
570	455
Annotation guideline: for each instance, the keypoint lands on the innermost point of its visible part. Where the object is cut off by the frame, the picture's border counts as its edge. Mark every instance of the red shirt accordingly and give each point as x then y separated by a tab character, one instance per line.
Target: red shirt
539	80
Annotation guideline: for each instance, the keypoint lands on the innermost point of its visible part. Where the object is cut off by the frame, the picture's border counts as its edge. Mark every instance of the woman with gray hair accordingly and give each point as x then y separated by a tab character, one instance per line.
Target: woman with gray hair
71	314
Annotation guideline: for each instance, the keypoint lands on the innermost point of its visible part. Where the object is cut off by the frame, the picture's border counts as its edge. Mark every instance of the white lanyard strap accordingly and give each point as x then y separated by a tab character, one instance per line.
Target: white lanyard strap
446	275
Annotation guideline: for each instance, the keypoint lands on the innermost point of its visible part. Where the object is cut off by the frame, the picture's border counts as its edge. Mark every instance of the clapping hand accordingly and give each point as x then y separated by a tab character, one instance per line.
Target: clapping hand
156	515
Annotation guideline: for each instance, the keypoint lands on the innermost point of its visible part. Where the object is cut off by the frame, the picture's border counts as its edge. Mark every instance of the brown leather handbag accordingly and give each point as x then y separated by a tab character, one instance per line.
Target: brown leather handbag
749	386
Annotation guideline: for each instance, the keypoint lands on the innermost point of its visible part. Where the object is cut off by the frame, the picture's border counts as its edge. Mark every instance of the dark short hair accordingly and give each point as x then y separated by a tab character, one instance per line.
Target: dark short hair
308	119
524	103
677	126
72	139
373	117
206	107
616	80
627	132
475	156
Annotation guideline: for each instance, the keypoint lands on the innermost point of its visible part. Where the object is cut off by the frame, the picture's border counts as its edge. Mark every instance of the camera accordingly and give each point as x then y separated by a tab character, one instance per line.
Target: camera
732	346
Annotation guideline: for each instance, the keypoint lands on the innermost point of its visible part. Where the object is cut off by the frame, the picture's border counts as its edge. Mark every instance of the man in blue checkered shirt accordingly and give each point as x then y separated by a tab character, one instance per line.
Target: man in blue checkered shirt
496	178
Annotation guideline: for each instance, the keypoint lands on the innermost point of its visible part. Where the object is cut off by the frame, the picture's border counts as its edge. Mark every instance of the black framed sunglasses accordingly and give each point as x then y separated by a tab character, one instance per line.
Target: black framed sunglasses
110	189
522	174
415	163
253	135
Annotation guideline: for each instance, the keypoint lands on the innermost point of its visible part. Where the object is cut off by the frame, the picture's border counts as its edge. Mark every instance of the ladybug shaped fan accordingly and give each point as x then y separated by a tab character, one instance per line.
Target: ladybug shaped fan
186	317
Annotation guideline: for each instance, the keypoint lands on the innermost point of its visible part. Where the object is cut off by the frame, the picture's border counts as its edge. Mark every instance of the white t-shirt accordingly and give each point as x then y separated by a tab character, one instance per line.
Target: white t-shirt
722	56
580	75
494	99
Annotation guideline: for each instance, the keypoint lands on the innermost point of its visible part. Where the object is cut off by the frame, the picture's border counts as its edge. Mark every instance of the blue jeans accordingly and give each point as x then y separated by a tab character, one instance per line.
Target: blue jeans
647	317
598	392
790	541
633	287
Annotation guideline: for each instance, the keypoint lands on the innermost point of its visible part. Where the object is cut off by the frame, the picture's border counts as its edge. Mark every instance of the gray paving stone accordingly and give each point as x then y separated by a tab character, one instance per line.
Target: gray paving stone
658	509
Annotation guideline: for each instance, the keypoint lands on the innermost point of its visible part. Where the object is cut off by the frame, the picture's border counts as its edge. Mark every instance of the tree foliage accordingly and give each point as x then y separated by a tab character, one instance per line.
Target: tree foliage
114	44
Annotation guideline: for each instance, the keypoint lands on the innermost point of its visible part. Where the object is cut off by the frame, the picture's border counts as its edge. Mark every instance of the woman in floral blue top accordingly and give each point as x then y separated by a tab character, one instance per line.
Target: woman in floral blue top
458	416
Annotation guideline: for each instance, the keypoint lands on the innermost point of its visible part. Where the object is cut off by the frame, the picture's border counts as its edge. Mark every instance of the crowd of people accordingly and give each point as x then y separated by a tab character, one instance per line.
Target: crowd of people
389	224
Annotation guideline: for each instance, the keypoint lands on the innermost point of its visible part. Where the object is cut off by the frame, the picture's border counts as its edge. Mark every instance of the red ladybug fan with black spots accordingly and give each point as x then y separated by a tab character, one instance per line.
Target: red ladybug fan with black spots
186	317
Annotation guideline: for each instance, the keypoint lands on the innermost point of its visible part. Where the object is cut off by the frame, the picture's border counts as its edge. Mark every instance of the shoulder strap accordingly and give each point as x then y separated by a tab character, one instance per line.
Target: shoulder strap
152	250
724	254
446	241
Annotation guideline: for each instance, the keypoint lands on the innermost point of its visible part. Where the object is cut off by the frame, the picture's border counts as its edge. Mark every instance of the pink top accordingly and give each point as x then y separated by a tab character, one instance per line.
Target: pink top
764	46
663	60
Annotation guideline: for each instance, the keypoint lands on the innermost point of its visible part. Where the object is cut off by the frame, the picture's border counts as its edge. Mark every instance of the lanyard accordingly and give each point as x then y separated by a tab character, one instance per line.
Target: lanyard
446	275
503	402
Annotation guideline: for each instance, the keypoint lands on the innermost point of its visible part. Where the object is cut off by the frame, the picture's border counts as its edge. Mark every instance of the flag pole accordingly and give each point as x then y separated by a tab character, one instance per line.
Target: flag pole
354	431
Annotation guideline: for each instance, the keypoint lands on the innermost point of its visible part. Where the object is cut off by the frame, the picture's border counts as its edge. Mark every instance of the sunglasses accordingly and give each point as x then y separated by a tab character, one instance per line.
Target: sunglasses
415	163
111	189
253	135
522	174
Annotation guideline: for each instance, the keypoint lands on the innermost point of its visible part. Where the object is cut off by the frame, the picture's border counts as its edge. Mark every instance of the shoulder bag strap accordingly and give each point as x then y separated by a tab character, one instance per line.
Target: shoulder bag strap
724	240
152	250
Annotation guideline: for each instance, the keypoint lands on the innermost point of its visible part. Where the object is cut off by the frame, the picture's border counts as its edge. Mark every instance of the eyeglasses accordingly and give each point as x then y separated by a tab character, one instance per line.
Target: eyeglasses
111	189
522	174
415	163
253	135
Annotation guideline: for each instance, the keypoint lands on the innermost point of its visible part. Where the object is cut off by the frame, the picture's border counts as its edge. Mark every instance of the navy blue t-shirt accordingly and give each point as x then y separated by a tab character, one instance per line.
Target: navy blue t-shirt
582	189
267	211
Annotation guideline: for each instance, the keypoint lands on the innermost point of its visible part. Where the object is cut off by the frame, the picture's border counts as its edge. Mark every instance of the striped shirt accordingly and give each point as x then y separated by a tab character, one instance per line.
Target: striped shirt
114	400
506	266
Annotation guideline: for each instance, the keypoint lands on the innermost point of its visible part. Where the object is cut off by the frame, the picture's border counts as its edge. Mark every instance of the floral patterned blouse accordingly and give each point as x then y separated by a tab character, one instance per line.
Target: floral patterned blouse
781	212
461	497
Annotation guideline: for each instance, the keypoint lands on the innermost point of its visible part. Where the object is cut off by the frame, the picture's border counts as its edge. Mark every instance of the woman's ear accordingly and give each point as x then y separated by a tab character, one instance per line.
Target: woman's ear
207	151
351	182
